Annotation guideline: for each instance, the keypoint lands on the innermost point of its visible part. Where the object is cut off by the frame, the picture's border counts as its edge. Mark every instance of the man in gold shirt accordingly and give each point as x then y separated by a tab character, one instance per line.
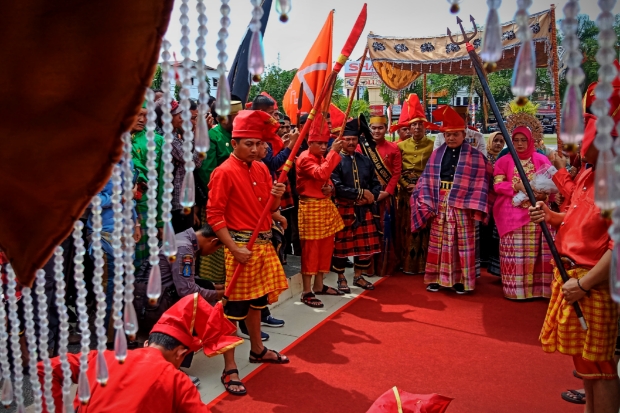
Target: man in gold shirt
415	152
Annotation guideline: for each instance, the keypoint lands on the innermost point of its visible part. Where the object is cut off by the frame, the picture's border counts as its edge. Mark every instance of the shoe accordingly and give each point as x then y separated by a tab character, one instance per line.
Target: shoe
243	332
460	289
348	263
194	379
434	287
272	322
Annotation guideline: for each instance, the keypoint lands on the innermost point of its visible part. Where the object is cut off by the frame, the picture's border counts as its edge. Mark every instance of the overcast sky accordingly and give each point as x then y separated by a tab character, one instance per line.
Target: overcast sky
291	41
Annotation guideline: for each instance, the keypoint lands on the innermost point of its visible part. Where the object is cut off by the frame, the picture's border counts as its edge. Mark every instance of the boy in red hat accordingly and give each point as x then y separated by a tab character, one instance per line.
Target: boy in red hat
319	219
585	247
452	194
149	379
240	189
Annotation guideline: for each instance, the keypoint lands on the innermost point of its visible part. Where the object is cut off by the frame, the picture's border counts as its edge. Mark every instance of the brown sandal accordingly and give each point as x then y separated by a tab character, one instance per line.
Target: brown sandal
231	382
310	300
325	291
342	286
258	358
366	286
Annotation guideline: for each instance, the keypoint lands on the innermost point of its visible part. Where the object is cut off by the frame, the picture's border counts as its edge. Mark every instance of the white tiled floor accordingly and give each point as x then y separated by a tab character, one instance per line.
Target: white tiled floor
299	319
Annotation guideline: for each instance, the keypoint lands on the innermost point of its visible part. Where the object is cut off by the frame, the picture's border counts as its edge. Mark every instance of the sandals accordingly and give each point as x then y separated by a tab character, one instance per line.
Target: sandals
573	396
258	358
343	287
366	286
325	290
368	275
231	382
310	300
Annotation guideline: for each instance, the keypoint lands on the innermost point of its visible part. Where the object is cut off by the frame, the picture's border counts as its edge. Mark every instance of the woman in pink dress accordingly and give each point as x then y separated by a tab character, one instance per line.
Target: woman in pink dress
524	255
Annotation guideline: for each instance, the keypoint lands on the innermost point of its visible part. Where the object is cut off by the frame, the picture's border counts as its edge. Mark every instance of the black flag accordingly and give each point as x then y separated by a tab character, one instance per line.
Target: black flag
239	75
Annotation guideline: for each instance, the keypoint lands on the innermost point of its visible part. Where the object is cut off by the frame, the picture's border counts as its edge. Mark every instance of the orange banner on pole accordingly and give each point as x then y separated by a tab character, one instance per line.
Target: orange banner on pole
312	73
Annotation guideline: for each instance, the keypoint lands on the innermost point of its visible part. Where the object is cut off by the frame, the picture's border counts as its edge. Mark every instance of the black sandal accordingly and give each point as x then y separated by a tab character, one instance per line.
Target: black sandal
367	286
573	396
258	358
343	287
310	300
368	275
325	290
231	382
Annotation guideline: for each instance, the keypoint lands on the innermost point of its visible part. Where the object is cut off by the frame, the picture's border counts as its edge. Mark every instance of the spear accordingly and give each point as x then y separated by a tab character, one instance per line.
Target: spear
325	93
357	81
500	121
300	103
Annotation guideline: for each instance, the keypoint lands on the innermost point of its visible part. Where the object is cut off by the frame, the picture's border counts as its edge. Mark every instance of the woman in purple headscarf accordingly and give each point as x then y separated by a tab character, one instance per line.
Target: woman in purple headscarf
524	255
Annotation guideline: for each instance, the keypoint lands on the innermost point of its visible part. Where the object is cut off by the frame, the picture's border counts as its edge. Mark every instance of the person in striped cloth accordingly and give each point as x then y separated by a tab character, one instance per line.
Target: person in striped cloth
453	193
319	219
239	190
357	189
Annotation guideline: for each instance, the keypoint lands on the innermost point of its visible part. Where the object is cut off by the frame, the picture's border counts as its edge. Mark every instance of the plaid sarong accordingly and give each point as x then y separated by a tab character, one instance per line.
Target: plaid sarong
212	267
318	218
525	263
287	201
363	240
411	247
262	275
562	332
451	255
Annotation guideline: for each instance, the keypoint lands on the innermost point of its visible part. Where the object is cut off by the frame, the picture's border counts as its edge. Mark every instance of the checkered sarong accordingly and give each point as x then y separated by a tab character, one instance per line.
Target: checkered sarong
287	201
262	275
451	257
562	332
318	218
363	240
525	263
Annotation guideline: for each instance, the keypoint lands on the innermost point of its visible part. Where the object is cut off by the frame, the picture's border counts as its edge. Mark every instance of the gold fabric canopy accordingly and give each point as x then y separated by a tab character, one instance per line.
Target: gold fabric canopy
399	61
73	78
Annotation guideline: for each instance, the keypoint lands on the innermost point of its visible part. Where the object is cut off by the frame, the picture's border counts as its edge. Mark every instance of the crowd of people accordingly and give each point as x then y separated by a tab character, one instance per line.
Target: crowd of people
441	208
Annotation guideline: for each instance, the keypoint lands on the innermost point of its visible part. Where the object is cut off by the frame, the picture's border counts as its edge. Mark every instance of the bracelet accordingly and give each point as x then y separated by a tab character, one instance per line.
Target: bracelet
582	289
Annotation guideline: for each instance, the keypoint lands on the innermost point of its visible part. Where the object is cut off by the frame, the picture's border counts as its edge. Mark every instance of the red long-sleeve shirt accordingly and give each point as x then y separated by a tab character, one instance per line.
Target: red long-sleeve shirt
392	158
238	193
583	235
313	172
146	382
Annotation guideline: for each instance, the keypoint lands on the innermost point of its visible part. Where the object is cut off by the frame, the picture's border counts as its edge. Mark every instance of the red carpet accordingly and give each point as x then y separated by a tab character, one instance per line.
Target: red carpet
480	349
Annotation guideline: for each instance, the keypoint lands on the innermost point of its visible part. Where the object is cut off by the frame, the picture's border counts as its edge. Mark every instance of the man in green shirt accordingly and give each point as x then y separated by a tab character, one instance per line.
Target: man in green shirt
138	154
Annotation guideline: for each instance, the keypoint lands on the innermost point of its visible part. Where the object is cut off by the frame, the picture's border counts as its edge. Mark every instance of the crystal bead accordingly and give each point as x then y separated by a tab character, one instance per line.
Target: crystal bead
102	369
524	75
492	42
603	91
153	289
130	320
569	25
607	38
570	42
7	393
188	196
605	21
605	188
600	107
572	115
284	6
604	126
222	103
169	244
225	10
606	5
256	56
120	345
614	277
83	389
524	4
494	4
607	73
605	56
202	136
571	9
575	75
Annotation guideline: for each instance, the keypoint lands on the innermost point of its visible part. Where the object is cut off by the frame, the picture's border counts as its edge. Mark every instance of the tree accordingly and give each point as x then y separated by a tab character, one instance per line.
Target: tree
338	89
157	79
274	81
357	107
366	95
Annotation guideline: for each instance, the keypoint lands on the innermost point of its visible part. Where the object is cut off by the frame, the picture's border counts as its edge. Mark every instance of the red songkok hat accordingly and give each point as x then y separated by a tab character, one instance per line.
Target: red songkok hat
319	131
197	325
256	124
589	97
451	120
395	401
412	111
589	132
337	117
248	105
275	103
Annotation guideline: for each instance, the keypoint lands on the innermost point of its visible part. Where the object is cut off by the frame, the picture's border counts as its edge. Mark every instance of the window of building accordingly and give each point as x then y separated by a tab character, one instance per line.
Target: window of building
214	82
465	101
476	100
458	101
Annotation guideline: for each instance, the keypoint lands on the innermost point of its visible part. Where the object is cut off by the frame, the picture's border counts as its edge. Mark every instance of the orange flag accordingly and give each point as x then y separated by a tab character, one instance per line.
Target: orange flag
312	73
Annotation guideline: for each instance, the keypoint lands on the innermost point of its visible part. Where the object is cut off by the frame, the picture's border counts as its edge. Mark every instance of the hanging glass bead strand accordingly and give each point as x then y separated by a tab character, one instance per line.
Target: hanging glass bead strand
16	351
44	354
63	335
98	288
31	342
130	319
187	196
524	74
6	396
492	43
120	341
169	246
222	103
571	127
256	55
283	7
202	141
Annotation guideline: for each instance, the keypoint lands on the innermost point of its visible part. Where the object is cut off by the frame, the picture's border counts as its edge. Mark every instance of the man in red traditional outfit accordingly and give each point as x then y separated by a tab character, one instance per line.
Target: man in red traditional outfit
319	219
585	247
149	380
239	190
388	164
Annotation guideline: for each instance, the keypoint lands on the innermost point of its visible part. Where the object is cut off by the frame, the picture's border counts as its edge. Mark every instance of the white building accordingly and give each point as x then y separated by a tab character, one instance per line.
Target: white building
211	74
